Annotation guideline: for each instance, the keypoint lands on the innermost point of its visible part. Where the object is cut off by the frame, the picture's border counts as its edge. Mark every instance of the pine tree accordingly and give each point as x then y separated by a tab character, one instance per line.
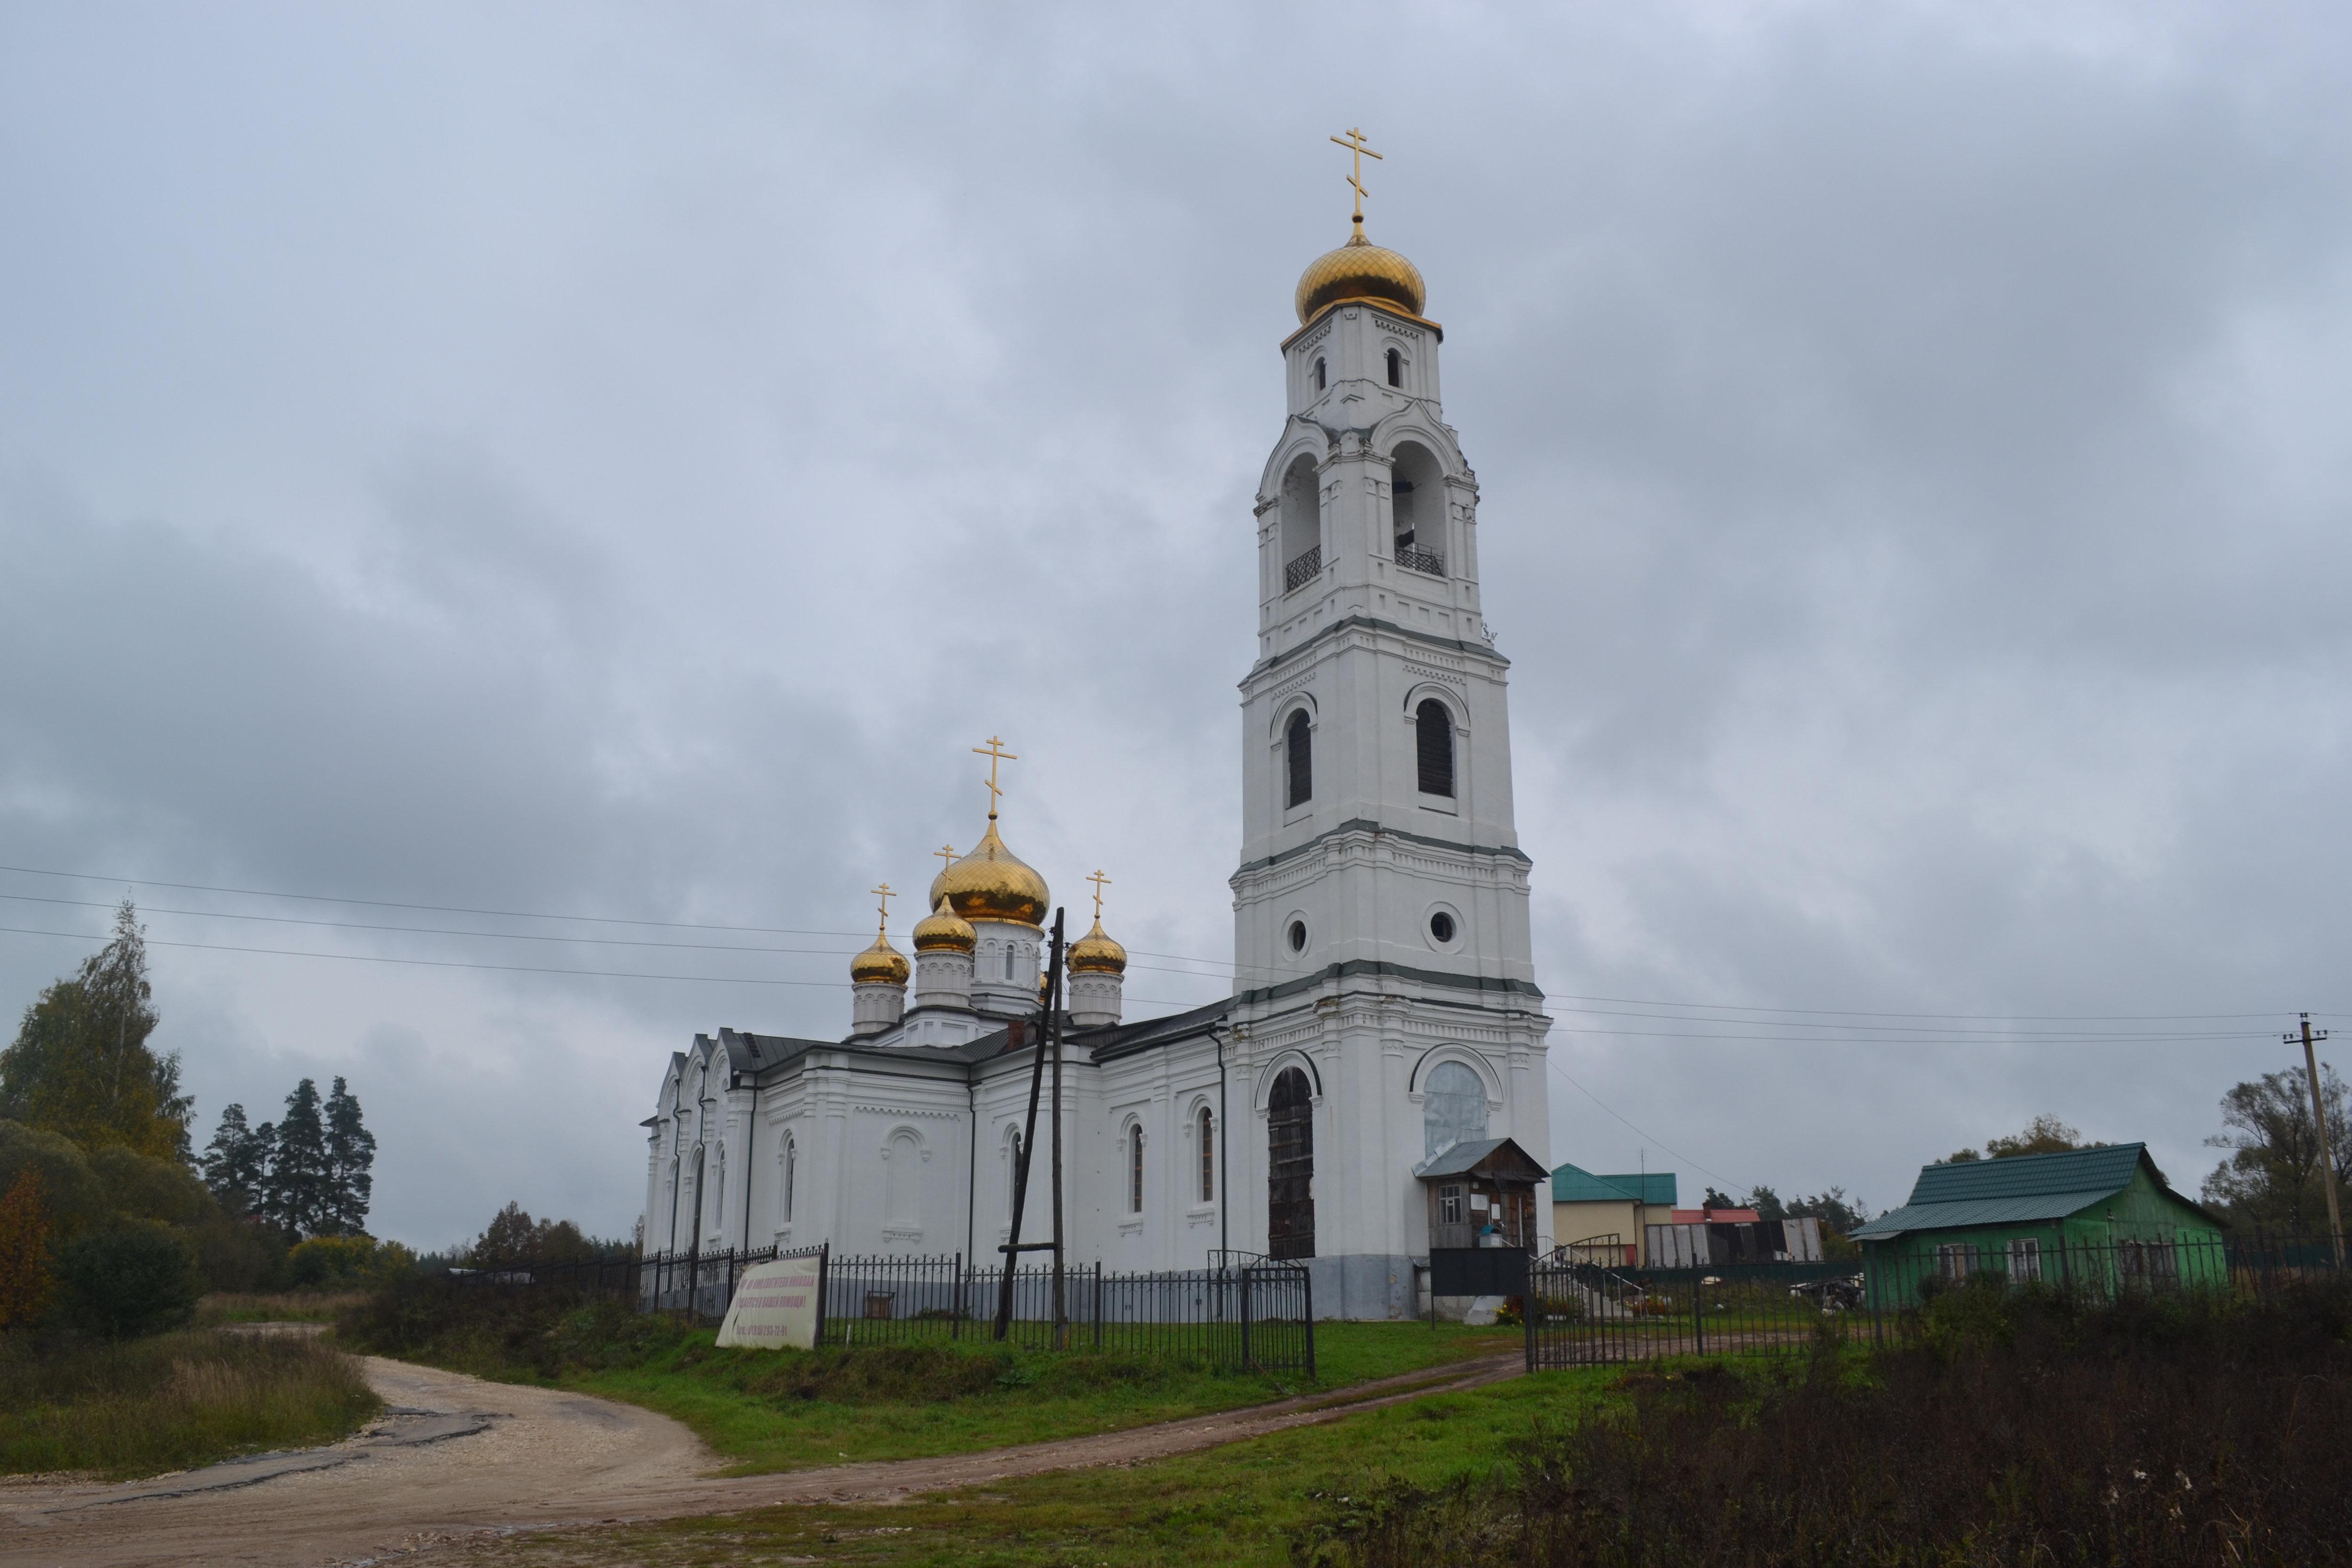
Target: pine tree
80	1065
297	1198
350	1153
237	1162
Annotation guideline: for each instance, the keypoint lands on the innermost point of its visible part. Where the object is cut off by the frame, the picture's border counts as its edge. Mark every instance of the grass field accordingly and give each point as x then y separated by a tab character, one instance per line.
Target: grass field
281	1306
171	1402
1239	1505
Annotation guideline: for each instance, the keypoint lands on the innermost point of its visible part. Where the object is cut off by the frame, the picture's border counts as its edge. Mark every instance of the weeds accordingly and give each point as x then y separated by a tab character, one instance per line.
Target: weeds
172	1401
2015	1428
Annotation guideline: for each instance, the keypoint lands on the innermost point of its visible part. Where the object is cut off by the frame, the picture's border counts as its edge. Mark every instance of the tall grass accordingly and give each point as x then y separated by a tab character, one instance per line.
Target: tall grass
172	1402
2016	1428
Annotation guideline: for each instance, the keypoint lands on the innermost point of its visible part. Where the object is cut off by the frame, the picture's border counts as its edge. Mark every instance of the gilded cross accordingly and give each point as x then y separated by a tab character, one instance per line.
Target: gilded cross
886	895
1099	880
1354	142
945	852
995	752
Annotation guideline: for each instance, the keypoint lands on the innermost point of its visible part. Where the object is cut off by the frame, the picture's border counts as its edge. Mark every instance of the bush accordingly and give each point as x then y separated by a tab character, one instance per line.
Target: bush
344	1262
129	1280
2021	1426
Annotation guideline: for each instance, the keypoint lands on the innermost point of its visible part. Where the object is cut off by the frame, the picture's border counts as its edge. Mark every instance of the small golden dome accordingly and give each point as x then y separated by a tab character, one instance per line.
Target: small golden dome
1096	953
1360	270
880	965
943	930
991	884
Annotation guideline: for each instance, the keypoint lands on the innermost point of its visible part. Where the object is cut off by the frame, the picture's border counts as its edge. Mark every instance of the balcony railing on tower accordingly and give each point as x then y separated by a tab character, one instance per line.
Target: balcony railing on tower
1413	559
1303	570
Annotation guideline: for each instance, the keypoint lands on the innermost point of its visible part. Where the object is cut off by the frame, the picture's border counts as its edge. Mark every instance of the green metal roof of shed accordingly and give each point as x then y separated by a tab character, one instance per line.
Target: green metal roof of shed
1574	1184
2020	1189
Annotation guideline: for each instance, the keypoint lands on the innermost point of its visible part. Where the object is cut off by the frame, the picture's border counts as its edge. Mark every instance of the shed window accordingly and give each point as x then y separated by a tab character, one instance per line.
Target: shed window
2024	1260
1300	748
1449	1204
1956	1260
1434	745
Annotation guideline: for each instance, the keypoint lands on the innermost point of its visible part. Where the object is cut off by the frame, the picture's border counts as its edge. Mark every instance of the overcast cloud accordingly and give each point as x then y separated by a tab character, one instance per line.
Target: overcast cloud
614	461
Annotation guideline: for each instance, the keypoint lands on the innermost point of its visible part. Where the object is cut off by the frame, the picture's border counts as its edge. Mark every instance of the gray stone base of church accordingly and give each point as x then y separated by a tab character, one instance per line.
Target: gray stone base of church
1368	1287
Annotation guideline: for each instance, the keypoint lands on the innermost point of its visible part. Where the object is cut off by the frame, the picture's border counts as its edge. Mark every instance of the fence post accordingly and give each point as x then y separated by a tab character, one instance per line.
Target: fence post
1699	1314
1098	1303
823	1270
1530	1308
1307	1286
1245	1318
956	1332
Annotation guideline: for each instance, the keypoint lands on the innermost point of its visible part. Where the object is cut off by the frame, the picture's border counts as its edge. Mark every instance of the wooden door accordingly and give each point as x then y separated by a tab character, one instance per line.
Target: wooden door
1290	1168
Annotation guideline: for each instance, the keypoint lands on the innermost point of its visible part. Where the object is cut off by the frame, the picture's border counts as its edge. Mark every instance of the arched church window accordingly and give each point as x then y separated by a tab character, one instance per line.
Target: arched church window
1208	1156
1320	381
1433	743
1135	1169
1453	1107
1011	957
902	1183
1290	1167
1300	751
792	1157
1396	368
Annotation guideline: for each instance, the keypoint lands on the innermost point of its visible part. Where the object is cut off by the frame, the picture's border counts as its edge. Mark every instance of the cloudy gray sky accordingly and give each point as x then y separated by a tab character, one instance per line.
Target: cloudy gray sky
613	461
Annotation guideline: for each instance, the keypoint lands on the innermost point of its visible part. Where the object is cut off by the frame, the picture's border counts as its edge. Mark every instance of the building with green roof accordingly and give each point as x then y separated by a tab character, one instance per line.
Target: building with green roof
2100	1218
1589	1208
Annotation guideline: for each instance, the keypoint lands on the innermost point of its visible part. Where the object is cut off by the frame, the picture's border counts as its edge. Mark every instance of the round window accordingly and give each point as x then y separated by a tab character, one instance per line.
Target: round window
1441	928
1298	936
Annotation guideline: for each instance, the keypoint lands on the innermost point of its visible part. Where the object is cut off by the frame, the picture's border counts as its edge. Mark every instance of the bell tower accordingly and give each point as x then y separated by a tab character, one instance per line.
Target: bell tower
1381	906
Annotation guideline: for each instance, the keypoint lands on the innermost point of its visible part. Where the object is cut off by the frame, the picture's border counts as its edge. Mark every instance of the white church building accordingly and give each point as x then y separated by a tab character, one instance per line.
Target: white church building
1385	1035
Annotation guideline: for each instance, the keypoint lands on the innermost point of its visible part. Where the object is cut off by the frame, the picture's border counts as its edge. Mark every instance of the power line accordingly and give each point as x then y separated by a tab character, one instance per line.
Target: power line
1604	1105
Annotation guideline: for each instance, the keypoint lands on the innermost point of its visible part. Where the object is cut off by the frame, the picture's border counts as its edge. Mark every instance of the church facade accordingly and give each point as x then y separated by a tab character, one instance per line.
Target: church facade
1384	1012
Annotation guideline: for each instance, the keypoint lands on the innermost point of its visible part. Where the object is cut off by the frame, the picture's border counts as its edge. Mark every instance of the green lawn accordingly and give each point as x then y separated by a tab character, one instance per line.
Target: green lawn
777	1410
1241	1504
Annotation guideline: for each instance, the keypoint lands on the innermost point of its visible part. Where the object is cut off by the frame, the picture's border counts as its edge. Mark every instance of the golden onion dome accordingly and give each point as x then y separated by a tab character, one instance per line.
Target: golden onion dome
1096	953
1360	270
991	884
880	965
944	930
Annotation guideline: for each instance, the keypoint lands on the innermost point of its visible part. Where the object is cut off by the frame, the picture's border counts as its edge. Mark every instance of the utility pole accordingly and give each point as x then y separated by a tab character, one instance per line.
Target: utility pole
1014	1247
1053	1023
2319	1120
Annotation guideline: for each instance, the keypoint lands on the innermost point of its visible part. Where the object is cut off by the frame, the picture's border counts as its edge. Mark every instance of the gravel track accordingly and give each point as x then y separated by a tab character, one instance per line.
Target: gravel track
455	1458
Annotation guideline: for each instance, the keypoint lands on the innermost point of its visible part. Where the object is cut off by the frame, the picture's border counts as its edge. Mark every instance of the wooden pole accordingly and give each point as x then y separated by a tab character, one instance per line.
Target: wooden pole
2327	1149
1011	1253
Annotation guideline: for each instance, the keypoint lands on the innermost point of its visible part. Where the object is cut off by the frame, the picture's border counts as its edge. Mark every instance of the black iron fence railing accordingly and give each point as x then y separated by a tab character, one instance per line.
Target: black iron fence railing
1413	559
1241	1313
1302	570
1582	1309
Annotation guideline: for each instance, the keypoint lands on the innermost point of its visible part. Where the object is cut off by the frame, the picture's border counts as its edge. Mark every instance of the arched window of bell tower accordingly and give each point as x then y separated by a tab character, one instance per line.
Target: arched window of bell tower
1417	508
1302	523
1322	376
1396	368
1298	755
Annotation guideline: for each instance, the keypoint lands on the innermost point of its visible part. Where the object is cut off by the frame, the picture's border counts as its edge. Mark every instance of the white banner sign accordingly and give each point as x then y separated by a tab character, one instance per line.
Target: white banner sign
775	1305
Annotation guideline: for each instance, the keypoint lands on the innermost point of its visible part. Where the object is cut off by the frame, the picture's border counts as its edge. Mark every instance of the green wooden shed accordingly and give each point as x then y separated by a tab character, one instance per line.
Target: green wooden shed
2100	1219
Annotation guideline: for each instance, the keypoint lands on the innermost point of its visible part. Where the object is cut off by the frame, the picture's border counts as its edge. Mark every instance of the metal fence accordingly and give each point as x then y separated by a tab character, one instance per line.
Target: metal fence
1242	1312
1582	1312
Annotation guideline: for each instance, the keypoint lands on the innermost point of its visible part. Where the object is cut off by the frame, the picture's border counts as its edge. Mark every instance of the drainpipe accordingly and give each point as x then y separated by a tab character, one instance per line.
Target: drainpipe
971	1170
1224	1163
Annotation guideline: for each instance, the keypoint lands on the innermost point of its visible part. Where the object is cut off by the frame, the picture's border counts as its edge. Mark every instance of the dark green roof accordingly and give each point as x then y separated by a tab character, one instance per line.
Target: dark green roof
1573	1184
2021	1189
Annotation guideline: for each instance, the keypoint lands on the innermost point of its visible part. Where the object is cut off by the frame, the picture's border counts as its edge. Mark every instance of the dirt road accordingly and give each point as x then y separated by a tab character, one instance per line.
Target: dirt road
457	1457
